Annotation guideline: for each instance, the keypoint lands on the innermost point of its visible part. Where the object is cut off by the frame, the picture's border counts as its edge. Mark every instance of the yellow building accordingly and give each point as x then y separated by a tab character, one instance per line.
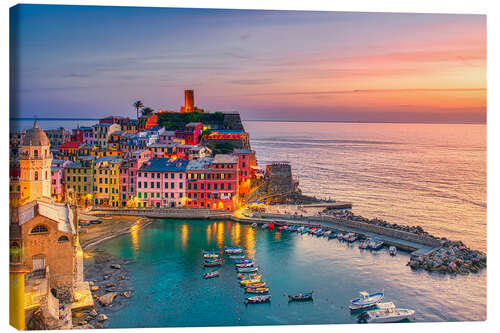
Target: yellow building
78	177
106	181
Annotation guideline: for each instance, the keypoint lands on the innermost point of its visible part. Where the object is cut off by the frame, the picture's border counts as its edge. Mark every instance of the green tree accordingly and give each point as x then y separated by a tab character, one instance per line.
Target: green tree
147	111
137	105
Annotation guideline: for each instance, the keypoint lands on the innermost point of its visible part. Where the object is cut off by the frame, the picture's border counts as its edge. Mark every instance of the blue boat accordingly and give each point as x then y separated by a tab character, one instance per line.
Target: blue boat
301	297
243	261
238	256
376	243
247	269
333	235
366	300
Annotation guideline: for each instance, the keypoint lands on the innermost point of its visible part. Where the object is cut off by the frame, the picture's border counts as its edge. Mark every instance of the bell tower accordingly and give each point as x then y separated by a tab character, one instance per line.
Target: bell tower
35	162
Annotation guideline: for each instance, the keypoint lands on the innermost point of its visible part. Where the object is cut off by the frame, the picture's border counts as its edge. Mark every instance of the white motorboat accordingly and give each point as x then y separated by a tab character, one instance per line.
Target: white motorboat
385	305
392	250
366	300
390	315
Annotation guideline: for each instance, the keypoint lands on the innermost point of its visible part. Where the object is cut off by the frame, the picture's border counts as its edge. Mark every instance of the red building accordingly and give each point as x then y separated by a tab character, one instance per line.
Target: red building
191	133
147	122
213	182
246	167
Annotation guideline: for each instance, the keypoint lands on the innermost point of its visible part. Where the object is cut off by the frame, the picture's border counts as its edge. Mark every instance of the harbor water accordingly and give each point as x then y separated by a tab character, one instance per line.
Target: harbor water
168	289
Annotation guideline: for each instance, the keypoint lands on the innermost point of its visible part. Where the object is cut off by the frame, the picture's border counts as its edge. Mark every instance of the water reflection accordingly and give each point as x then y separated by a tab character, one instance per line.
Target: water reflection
184	235
134	237
235	234
220	234
209	233
250	241
277	236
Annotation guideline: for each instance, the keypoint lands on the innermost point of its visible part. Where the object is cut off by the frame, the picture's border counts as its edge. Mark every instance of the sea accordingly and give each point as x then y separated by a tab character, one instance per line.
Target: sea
432	175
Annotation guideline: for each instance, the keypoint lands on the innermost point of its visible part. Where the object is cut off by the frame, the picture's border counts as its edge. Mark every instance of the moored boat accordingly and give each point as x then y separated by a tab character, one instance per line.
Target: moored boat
248	276
258	299
237	256
376	243
257	290
282	227
249	264
242	261
301	297
265	225
212	263
333	235
256	284
254	280
247	269
392	250
233	250
254	225
366	300
389	315
327	233
211	275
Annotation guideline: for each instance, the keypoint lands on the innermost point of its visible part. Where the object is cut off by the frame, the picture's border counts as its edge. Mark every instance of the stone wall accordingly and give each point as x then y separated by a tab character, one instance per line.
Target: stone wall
186	213
279	178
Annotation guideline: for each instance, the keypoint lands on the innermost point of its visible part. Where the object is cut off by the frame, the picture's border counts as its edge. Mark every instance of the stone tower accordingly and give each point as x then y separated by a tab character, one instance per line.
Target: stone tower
35	161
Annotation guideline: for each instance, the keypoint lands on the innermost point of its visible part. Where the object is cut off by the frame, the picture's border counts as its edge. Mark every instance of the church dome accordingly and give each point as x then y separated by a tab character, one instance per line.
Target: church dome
35	137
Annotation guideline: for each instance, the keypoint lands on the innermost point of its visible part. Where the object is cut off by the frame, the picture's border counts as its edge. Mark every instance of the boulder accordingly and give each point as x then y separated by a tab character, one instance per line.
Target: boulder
102	317
107	299
115	266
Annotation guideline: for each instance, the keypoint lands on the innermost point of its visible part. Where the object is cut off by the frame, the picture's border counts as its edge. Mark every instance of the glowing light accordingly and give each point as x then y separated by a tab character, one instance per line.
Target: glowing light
220	234
134	236
235	234
184	235
209	233
250	241
277	235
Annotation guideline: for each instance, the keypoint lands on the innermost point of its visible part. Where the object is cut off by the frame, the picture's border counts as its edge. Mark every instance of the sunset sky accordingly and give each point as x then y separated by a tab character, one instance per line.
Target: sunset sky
77	61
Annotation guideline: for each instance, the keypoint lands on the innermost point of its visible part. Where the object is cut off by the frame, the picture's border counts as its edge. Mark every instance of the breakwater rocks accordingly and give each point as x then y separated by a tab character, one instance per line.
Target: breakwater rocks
452	257
110	286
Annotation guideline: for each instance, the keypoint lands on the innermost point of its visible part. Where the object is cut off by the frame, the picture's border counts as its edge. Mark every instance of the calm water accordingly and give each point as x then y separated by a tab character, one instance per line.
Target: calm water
431	175
169	291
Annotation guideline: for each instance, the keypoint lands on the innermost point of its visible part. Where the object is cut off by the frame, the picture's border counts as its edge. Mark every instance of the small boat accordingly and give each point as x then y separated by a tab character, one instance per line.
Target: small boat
327	233
247	269
319	232
350	237
301	297
211	275
311	230
366	300
95	222
254	225
211	254
257	290
392	250
234	250
282	227
238	256
376	243
333	235
300	229
249	264
212	263
249	276
83	224
258	299
385	305
265	225
242	261
390	315
256	284
245	282
363	245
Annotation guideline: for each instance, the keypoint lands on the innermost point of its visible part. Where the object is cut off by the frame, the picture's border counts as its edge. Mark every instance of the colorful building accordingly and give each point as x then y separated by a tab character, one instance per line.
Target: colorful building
161	182
213	183
101	133
57	180
78	179
128	177
106	181
191	133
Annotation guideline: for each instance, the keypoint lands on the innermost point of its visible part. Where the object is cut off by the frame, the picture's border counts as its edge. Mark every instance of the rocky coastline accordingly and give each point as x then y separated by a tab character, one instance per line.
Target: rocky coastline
452	257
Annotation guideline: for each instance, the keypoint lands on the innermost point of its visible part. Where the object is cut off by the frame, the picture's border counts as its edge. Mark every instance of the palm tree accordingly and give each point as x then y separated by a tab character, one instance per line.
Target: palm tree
147	111
137	106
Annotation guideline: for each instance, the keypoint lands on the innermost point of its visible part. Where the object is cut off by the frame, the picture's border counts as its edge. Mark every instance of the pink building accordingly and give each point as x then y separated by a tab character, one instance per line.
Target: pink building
57	188
161	182
191	133
128	175
166	137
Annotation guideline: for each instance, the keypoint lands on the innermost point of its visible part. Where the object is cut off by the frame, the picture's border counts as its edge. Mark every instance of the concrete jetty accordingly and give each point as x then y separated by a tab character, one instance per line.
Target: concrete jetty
331	205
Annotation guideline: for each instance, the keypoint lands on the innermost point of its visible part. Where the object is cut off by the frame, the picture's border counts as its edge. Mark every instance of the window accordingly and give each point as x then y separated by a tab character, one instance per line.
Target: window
171	176
172	194
62	239
39	229
228	186
152	185
138	184
180	186
36	174
157	194
158	185
222	186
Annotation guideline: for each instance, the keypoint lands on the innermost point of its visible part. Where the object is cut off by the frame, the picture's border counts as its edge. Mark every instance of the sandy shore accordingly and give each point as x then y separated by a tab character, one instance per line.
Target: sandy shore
109	228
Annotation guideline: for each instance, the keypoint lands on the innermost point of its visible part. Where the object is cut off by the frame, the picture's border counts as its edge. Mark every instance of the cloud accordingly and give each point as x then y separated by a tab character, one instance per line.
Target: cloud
369	91
251	81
